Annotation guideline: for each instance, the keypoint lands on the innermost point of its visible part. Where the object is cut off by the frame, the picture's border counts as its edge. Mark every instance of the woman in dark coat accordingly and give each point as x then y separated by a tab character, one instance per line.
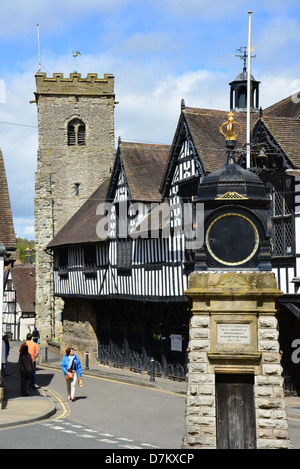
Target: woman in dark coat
25	366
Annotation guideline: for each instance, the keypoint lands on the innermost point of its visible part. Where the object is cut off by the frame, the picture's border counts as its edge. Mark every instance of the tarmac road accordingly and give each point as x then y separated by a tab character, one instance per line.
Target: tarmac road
131	410
116	404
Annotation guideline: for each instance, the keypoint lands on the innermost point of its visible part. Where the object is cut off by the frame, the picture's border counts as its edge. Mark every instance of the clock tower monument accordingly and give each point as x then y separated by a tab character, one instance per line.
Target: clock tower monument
235	384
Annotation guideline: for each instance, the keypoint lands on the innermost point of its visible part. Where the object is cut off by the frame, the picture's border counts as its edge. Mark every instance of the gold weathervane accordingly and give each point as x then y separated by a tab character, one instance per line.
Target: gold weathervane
231	134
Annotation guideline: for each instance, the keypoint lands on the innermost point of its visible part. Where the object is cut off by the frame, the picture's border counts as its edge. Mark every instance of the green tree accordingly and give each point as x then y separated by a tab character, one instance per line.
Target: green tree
22	244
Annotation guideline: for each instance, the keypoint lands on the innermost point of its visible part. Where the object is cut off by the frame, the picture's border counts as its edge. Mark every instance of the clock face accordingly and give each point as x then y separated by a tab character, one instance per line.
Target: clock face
232	239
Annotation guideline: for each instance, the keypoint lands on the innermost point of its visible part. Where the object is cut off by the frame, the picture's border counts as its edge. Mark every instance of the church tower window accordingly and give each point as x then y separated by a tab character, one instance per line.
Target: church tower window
76	132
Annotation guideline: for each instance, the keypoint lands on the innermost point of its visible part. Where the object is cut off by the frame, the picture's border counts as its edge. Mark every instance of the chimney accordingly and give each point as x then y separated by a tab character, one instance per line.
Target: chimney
27	256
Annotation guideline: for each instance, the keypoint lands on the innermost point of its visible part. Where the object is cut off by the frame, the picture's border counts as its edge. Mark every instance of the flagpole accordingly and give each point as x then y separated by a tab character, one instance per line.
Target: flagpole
39	51
248	91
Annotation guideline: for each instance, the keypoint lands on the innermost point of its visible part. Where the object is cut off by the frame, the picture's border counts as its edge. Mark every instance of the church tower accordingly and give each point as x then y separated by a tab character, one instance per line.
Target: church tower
75	153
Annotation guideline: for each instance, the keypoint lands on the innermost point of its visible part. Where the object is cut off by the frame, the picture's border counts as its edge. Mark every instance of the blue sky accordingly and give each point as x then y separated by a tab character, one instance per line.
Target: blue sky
160	51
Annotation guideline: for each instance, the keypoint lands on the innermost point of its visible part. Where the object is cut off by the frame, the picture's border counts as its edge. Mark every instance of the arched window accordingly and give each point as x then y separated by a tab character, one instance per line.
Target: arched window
76	132
242	97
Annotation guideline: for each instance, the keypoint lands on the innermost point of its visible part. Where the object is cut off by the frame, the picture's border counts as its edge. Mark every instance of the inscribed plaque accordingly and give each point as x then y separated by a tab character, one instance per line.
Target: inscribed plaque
233	333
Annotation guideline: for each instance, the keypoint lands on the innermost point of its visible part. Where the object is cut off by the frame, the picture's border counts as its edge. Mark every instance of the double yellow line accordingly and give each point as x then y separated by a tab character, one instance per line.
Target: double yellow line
65	407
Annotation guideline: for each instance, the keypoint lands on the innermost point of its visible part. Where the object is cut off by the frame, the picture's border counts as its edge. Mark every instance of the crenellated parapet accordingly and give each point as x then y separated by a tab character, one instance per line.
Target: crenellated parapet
75	85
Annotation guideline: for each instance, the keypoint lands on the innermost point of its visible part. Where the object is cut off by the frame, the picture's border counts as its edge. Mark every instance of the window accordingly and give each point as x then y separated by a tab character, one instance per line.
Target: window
11	307
242	97
77	188
124	253
76	132
63	262
89	255
283	238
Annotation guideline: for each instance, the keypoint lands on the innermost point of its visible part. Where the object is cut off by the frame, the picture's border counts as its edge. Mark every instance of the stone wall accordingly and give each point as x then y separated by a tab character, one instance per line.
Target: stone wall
60	167
226	298
79	330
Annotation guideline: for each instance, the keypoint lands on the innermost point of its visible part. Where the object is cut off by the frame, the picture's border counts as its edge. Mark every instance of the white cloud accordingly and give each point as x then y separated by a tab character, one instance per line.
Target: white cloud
19	18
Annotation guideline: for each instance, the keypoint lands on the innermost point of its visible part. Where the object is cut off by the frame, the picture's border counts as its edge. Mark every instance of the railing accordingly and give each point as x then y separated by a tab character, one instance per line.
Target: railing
115	356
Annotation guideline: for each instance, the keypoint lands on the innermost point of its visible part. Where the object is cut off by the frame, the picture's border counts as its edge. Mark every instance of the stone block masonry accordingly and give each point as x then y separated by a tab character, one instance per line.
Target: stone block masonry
234	299
67	174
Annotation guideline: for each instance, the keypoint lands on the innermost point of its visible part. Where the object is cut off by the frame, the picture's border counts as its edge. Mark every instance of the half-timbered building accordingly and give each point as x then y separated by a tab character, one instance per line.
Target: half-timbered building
123	278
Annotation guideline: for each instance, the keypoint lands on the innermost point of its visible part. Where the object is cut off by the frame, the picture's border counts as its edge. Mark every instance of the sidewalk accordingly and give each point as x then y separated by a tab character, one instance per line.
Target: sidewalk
18	410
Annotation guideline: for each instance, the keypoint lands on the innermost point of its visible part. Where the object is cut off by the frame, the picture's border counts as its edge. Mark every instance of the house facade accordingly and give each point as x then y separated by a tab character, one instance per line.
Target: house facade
19	301
123	278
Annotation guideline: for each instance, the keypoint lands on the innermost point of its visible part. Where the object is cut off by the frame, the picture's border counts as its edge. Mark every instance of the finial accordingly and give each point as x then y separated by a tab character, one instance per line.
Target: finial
231	134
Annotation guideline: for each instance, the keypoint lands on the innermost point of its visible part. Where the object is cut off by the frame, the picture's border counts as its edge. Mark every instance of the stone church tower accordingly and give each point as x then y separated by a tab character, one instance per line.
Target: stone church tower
75	153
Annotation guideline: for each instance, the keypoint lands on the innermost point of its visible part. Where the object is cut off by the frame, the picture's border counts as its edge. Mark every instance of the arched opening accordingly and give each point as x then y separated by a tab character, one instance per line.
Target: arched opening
76	132
242	97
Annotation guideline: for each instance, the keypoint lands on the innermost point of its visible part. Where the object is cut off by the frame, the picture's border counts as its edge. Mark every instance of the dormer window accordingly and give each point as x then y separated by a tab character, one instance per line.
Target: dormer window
76	132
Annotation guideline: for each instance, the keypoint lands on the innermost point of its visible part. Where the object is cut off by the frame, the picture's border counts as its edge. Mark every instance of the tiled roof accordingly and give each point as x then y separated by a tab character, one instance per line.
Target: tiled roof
288	107
23	278
204	127
81	228
286	131
7	232
144	166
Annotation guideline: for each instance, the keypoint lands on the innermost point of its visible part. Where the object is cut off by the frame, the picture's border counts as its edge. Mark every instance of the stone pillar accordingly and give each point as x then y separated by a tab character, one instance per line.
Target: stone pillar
233	330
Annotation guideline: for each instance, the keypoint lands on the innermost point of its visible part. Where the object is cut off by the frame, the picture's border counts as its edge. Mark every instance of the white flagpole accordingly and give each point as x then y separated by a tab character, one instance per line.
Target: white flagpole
39	51
248	91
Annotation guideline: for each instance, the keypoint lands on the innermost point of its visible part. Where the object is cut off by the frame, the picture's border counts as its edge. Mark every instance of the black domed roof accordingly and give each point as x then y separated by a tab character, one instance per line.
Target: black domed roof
232	183
243	76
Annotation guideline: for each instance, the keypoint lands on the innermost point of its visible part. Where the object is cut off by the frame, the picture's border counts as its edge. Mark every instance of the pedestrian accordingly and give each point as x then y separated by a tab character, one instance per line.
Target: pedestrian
71	367
7	348
35	335
34	351
3	359
26	369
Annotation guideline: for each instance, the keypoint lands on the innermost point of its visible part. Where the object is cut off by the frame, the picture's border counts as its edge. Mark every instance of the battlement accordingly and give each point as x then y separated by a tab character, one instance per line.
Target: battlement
74	84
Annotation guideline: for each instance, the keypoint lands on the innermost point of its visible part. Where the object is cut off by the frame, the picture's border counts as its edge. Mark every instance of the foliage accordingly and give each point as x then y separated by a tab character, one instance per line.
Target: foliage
22	244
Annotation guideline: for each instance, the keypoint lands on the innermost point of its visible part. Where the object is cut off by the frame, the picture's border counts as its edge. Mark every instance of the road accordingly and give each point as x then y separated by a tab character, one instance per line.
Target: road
110	415
106	414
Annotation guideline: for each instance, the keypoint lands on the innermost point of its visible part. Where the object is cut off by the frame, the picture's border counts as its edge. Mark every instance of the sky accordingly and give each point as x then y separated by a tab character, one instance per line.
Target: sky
160	51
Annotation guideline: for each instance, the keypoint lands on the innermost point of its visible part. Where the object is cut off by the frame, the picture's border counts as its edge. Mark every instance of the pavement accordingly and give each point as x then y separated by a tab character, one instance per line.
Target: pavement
20	410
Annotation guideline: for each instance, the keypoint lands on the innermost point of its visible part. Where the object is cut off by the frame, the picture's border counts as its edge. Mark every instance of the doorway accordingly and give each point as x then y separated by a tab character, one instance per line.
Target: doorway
236	427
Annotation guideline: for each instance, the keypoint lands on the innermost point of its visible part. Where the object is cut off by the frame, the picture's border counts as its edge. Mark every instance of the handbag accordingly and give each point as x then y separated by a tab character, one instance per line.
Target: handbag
69	375
80	383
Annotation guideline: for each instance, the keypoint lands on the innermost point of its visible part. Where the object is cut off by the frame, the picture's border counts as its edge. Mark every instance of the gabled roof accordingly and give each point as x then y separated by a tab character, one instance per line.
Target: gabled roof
288	107
23	278
81	228
286	132
7	232
203	126
144	165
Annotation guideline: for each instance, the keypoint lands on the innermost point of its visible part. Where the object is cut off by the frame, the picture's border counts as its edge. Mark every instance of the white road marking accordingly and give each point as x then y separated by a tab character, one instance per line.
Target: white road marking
106	440
130	447
86	433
